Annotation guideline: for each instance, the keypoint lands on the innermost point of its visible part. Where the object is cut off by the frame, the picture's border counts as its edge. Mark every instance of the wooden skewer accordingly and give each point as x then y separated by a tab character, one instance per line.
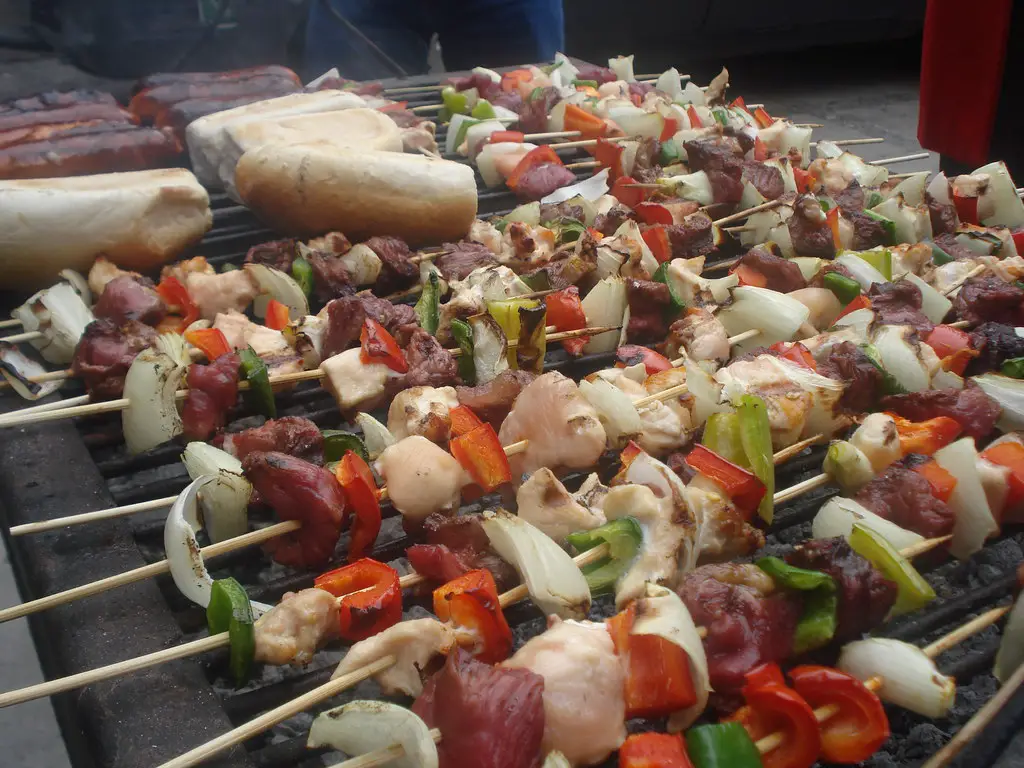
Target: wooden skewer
900	159
57	405
973	273
744	214
428	108
92	517
10	323
850	142
804	125
27	336
584	164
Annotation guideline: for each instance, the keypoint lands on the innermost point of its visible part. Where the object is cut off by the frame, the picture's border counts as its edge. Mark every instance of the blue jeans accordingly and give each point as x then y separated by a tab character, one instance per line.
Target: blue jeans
473	33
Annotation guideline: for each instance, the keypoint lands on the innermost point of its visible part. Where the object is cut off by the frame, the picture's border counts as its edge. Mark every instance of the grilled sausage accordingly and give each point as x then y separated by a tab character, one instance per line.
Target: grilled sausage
49	132
56	100
148	103
178	116
69	114
204	78
126	148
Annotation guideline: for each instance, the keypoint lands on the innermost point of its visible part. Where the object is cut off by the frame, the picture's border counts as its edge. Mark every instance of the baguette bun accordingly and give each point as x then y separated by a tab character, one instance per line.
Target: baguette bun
310	189
205	137
348	128
138	220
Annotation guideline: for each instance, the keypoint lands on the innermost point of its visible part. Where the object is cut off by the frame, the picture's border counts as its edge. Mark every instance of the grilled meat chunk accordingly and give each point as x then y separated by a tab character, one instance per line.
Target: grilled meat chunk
976	412
296	628
905	497
105	353
293	435
212	392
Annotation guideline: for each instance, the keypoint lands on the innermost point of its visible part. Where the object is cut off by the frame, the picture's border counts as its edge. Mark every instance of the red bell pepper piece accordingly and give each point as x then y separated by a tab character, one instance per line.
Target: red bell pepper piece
658	680
861	302
654	750
630	452
966	208
695	121
657	239
463	420
804	180
565	312
357	481
514	137
510	80
631	354
395	107
481	454
609	155
1010	455
772	706
760	150
953	347
371	597
763	118
627	195
210	341
741	485
277	315
832	219
471	601
749	276
578	119
654	213
795	352
739	102
178	301
379	346
942	482
537	156
669	129
860	726
926	437
1018	240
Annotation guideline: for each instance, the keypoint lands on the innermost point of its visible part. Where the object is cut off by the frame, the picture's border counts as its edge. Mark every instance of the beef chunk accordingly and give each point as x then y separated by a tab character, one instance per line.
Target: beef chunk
694	237
767	179
550	212
976	412
905	497
492	401
330	278
810	233
130	298
278	254
867	232
851	199
989	299
996	343
430	364
899	304
397	271
345	318
608	223
105	353
943	217
847	363
462	258
539	181
782	274
649	304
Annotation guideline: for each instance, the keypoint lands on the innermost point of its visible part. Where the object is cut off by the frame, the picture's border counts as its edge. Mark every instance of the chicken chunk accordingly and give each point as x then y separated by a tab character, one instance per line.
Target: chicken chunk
423	411
102	272
240	332
485	233
354	383
545	503
297	627
180	270
699	334
421	477
584	707
215	293
413	643
878	440
726	533
562	427
663	430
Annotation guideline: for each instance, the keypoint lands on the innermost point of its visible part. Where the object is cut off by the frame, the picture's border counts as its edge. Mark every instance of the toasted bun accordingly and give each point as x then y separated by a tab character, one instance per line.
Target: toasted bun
347	128
138	220
310	189
205	137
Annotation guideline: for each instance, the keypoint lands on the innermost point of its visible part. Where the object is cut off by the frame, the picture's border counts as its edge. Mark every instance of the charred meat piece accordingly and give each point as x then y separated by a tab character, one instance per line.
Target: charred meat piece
293	435
693	237
298	490
649	304
847	363
541	180
726	185
867	232
279	254
105	353
865	595
296	628
492	401
617	215
767	179
851	199
905	497
600	74
130	298
534	111
808	229
748	623
996	343
550	212
899	304
462	258
331	279
430	364
455	545
493	714
976	412
943	217
782	274
989	299
345	318
953	247
212	392
397	272
715	153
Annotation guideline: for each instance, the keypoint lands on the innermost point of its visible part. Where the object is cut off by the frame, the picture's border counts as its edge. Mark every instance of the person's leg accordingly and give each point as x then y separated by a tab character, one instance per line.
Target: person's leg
499	33
397	27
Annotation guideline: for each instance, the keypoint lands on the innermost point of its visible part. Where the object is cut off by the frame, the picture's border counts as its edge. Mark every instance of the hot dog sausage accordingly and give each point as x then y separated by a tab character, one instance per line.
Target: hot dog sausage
198	78
178	116
70	114
54	131
56	100
148	103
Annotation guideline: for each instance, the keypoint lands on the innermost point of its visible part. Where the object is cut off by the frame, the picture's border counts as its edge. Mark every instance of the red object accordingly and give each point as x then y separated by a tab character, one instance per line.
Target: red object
861	302
749	276
210	341
178	301
760	150
471	601
1018	241
953	347
832	219
1011	455
398	106
966	208
739	102
858	729
763	118
277	315
516	137
669	129
371	597
537	156
630	452
378	346
480	453
463	420
695	121
804	180
627	195
772	706
658	241
944	125
741	485
942	482
926	437
654	213
658	680
795	352
654	750
578	119
510	80
361	491
631	354
565	312
609	155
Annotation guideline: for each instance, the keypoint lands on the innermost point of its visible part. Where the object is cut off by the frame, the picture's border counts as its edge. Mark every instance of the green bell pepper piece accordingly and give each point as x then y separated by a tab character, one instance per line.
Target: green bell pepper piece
535	94
463	334
890	386
914	591
845	289
624	536
880	259
539	280
230	611
670	153
825	204
756	436
872	197
337	443
455	102
302	272
818	620
506	312
428	308
1014	368
722	745
722	435
229	267
676	304
259	396
720	115
569	230
483	110
584	83
888	224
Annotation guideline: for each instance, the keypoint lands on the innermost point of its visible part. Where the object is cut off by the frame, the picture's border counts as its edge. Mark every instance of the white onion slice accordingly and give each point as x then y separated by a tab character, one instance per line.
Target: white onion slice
362	264
900	357
910	679
622	66
938	188
605	305
555	583
1000	197
490	347
837	516
1009	393
151	417
933	304
862	272
77	281
974	520
275	284
175	347
61	316
592	188
775	314
707	393
18	368
556	759
376	437
226	500
366	726
1011	648
181	548
912	188
616	411
669	83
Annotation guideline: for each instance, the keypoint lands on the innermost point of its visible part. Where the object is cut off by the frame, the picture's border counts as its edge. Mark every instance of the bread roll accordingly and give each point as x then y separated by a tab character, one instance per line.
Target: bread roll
138	220
349	128
310	189
205	137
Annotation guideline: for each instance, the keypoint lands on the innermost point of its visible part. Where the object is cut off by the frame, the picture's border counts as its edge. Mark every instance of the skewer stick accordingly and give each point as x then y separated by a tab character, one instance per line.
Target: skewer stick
973	273
92	517
10	323
427	108
585	143
56	405
743	214
850	142
900	159
584	164
27	336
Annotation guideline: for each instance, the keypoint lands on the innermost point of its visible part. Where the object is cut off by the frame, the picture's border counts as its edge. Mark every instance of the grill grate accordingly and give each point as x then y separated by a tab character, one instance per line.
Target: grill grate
148	717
